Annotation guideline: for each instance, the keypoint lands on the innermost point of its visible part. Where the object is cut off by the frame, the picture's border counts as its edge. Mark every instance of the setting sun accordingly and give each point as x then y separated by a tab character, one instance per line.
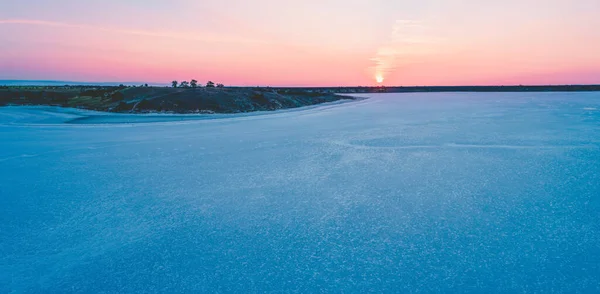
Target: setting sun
379	79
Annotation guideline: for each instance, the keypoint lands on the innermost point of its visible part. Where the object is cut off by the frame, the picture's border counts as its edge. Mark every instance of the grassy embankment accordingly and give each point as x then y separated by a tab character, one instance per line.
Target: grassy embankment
153	99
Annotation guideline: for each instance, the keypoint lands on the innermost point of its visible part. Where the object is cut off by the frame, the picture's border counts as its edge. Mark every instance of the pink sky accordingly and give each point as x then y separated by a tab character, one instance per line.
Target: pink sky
318	43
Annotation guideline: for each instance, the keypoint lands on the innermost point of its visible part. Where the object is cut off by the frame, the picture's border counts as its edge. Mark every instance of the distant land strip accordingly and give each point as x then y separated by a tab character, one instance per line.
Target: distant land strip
413	89
219	99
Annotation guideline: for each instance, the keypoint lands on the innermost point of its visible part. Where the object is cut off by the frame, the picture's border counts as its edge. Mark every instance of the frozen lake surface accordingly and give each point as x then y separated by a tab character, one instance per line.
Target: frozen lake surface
446	192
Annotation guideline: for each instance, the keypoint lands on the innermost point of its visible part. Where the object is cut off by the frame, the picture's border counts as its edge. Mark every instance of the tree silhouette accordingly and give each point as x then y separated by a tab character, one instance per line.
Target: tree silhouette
194	83
220	85
210	84
174	83
184	84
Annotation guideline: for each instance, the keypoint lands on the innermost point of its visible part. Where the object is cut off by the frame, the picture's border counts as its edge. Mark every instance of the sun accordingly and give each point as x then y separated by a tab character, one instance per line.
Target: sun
379	79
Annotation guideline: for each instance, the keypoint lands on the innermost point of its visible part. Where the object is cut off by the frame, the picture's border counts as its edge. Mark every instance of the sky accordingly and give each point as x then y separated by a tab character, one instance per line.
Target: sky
303	43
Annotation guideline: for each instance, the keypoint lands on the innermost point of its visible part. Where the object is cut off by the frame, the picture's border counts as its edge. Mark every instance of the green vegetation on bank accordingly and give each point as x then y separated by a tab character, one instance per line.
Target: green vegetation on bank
184	97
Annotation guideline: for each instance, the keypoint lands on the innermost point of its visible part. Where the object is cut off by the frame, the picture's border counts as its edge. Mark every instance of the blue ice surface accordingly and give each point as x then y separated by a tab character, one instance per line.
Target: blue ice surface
445	192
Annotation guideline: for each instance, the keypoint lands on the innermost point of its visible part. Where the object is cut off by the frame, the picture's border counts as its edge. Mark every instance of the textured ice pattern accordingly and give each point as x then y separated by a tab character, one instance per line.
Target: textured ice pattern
398	193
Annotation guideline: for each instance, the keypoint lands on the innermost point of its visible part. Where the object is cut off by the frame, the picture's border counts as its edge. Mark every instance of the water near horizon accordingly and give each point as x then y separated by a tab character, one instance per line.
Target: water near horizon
436	192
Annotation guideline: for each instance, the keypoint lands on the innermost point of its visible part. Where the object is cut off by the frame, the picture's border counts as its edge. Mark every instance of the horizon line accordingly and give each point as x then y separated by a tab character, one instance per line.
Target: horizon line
90	83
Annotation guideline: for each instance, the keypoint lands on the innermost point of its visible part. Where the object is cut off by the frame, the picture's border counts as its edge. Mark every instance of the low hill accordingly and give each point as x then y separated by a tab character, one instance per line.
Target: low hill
157	99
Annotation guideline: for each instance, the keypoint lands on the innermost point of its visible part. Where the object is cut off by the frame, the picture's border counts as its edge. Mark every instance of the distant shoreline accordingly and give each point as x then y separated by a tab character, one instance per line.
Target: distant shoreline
437	89
331	89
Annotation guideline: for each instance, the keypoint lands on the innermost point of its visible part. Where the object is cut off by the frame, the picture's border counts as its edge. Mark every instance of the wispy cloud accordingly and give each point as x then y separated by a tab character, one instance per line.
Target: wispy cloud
195	36
408	38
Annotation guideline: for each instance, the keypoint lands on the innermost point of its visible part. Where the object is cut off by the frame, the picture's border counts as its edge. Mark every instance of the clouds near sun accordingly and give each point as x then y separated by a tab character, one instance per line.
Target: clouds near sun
408	39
